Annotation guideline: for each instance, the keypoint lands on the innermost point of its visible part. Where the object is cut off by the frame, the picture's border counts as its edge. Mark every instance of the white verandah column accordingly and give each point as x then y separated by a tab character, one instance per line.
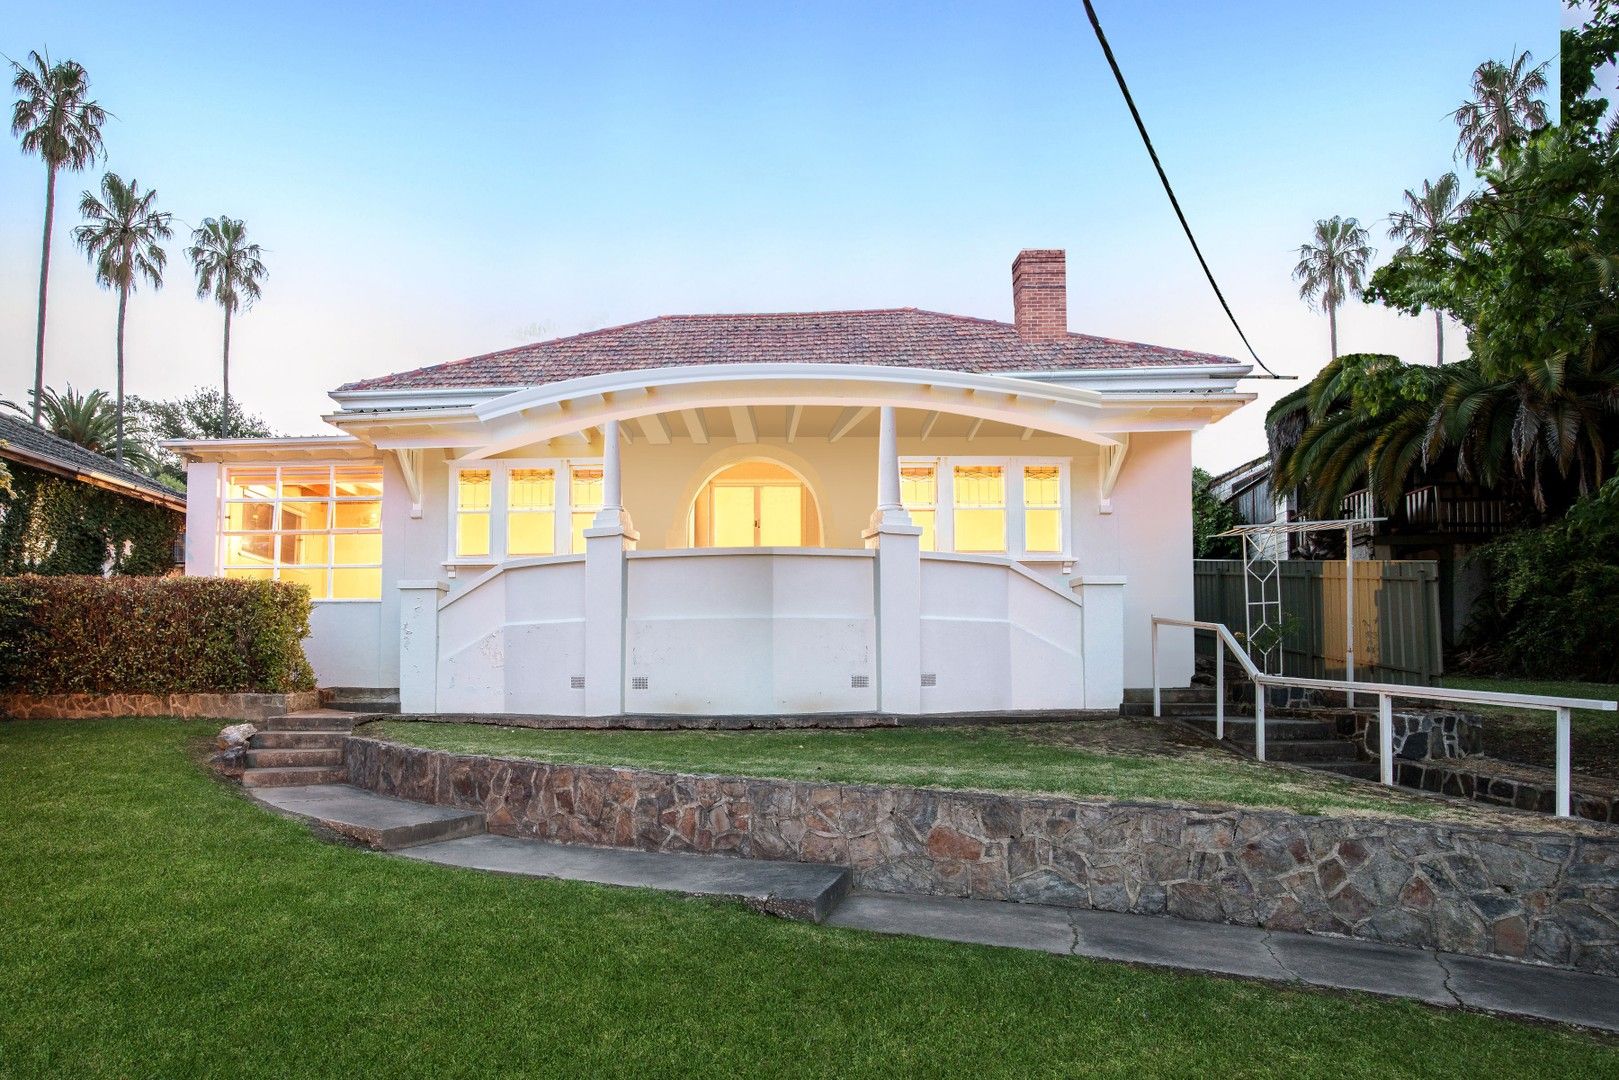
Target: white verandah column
899	581
609	536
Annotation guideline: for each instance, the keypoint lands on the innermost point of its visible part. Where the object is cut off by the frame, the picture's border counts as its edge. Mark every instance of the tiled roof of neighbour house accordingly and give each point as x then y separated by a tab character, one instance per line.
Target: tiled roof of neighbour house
895	337
22	442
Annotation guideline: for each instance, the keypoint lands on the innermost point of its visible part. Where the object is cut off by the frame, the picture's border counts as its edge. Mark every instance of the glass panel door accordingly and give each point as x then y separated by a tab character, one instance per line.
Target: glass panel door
781	516
734	521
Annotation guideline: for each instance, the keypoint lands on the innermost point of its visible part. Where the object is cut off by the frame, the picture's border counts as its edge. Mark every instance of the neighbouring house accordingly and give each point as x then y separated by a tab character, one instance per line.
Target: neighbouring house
894	511
1247	490
73	510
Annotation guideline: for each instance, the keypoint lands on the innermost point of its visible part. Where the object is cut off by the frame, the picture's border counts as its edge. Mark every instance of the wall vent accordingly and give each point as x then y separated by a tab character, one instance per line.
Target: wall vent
576	682
638	682
860	682
930	678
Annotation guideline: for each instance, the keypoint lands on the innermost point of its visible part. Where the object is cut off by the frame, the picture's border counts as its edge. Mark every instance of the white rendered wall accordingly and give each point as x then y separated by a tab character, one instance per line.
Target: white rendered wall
738	632
514	641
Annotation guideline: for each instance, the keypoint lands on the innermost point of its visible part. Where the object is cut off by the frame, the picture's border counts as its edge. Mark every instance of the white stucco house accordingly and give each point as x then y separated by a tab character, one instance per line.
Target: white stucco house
895	511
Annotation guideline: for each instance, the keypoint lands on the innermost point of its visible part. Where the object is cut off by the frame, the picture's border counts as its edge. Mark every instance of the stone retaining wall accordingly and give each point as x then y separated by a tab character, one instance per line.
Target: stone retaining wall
186	706
1550	896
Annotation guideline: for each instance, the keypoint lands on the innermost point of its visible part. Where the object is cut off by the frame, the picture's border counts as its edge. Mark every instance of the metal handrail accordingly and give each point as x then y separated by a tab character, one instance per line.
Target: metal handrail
1386	693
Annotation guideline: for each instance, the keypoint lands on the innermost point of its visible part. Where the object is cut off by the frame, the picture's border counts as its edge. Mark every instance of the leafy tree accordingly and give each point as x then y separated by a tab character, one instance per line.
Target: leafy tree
196	416
1505	109
1419	226
229	269
1332	267
54	118
122	238
1210	517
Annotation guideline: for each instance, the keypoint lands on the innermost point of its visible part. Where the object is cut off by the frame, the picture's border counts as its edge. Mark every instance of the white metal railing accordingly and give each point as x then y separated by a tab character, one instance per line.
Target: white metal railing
1386	693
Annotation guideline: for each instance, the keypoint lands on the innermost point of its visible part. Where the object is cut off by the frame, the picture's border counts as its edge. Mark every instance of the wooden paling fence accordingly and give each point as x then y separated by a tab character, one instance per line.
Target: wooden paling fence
1396	616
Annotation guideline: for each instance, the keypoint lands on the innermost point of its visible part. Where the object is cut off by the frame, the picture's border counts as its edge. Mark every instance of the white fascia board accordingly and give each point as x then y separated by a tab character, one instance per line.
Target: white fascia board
1196	377
418	398
342	446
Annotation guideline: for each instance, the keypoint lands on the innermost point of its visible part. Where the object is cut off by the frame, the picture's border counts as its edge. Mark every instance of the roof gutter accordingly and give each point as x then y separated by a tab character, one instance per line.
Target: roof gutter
93	477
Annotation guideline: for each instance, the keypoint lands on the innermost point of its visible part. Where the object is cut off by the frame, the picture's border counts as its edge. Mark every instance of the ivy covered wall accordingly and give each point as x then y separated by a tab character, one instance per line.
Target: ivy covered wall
51	525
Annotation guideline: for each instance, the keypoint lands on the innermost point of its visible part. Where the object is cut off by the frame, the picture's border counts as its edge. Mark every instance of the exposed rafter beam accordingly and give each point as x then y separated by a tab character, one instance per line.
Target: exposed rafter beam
654	428
1028	433
972	432
846	421
742	422
928	422
795	413
694	425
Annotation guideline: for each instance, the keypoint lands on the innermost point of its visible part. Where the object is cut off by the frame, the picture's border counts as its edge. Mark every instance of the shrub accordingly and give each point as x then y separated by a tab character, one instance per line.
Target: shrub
152	635
1550	609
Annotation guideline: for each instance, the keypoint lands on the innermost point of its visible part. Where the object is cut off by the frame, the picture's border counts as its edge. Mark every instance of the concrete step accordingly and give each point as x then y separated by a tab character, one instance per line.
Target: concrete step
290	775
1360	770
1137	694
361	699
1170	708
1302	751
1241	728
297	740
375	820
310	720
804	891
281	758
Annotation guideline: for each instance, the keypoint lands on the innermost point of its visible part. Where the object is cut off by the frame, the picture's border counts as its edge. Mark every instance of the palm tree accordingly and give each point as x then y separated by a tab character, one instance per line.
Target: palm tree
1332	267
1419	227
55	119
86	420
1505	108
228	268
122	238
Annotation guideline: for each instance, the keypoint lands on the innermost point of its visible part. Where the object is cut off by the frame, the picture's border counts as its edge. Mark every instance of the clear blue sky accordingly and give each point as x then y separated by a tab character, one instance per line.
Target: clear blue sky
435	180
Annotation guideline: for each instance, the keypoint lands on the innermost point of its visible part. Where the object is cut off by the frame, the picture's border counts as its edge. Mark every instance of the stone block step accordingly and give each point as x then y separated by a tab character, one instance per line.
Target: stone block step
361	699
280	758
1138	694
290	775
310	720
297	740
1241	728
375	820
804	891
1301	751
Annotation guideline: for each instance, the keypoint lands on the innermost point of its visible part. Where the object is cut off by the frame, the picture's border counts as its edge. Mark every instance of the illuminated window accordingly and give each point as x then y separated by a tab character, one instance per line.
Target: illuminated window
919	493
1042	509
473	488
531	502
585	499
980	508
316	525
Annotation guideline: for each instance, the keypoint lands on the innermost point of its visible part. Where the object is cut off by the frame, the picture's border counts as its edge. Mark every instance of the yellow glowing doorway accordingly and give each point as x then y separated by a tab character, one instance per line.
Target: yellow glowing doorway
755	504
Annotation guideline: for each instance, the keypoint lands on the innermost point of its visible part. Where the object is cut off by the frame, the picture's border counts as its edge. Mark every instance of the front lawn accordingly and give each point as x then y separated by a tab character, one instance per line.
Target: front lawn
1118	759
1528	735
153	922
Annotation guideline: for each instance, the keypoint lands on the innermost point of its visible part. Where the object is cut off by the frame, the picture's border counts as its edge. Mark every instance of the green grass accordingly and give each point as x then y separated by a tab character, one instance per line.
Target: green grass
1527	735
155	923
1022	757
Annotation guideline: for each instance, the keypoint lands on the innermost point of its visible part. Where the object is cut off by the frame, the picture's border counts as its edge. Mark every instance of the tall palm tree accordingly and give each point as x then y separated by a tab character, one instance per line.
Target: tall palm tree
54	118
122	237
1332	267
1419	227
1505	108
229	270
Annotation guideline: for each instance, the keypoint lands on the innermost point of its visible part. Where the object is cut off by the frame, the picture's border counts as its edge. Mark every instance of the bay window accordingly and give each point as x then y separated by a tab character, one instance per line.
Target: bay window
989	506
521	509
315	525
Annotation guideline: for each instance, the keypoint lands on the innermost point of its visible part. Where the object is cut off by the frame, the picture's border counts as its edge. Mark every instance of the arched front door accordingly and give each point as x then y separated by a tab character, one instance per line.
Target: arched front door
755	504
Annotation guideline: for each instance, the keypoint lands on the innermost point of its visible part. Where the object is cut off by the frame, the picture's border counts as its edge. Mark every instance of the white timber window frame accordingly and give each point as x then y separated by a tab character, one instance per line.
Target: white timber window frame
258	548
1015	508
500	471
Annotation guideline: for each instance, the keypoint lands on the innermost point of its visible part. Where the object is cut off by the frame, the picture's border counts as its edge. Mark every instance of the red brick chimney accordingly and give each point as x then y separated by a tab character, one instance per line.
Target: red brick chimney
1040	294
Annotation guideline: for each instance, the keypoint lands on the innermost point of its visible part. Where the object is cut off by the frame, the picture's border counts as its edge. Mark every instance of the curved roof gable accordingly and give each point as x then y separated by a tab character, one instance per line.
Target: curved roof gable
897	337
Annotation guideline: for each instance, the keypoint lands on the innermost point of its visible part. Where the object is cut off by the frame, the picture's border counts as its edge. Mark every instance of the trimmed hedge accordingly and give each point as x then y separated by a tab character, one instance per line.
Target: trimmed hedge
176	635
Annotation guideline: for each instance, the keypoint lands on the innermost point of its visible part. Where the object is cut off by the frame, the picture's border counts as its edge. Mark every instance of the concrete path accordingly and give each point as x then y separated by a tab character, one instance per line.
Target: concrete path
1336	963
794	890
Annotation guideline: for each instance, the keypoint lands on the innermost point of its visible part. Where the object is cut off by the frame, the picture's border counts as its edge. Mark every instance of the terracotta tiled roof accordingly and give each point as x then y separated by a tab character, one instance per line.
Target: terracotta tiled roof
21	441
898	337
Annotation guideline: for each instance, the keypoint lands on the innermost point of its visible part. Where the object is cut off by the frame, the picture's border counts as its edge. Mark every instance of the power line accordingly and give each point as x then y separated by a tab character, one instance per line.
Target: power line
1107	50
